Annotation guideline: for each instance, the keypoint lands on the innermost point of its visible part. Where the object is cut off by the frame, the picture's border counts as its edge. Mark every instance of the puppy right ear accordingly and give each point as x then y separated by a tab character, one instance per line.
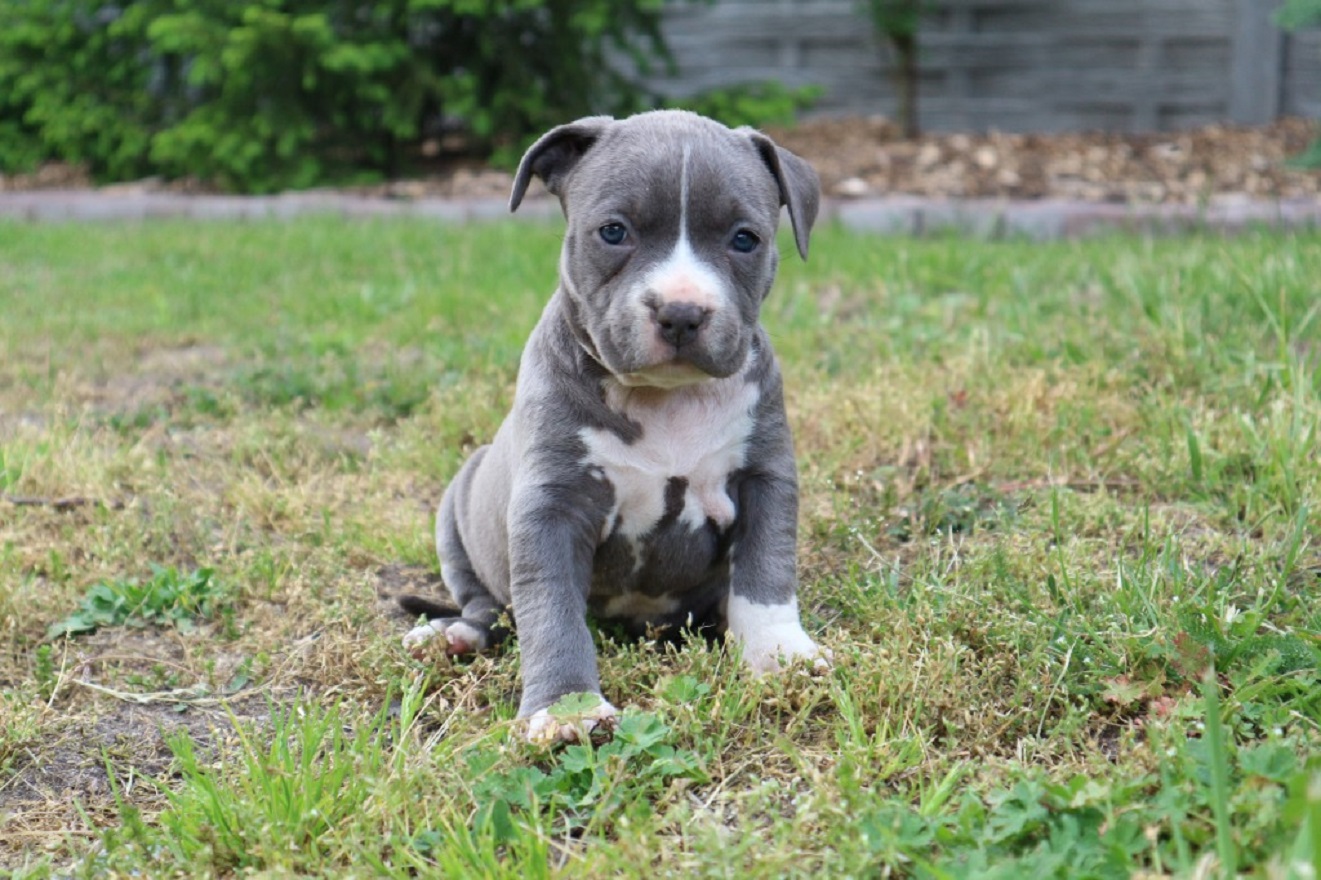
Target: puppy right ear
555	153
800	188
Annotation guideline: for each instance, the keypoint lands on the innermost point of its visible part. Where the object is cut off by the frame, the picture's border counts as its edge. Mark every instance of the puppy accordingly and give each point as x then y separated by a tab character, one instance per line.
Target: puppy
645	473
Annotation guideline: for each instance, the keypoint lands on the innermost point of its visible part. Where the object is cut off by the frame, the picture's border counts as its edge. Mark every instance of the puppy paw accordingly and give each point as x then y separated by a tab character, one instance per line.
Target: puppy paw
823	661
566	723
776	651
772	636
459	637
770	650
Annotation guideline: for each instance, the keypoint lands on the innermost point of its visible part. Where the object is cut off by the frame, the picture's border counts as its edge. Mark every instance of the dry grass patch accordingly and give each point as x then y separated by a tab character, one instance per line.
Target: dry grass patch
1044	489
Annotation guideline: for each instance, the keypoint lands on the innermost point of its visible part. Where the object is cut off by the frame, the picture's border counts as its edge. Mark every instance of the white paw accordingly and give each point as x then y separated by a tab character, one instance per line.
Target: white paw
772	651
418	636
547	729
772	637
464	638
459	637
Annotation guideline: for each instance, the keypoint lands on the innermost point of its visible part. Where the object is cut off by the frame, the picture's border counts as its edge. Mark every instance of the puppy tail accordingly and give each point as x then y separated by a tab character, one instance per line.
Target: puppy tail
419	605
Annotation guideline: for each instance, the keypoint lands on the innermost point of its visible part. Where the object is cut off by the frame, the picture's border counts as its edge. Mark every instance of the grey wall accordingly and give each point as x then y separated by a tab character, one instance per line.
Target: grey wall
1017	65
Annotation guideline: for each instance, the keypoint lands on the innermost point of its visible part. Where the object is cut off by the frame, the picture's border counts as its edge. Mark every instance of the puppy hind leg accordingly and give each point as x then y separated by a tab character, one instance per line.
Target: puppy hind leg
473	626
467	630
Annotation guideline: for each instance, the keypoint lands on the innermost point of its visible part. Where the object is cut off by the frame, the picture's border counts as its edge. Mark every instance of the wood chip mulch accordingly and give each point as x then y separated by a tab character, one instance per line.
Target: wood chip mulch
864	156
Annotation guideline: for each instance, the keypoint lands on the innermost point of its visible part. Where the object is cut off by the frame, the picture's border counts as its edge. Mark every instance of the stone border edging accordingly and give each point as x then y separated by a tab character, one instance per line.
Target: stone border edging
1042	219
1047	219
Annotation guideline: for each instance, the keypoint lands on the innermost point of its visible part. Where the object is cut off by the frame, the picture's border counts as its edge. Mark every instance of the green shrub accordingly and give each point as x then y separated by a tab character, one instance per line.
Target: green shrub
73	86
1299	13
266	94
755	104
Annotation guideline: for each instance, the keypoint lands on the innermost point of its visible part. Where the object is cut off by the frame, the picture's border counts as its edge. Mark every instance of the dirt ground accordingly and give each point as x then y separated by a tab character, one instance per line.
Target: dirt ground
864	156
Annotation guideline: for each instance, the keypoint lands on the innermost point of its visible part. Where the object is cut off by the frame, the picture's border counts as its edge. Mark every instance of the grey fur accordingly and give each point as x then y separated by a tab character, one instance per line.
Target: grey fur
534	523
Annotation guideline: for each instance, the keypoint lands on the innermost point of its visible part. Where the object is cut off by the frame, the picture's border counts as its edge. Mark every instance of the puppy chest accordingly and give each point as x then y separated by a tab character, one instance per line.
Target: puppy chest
675	473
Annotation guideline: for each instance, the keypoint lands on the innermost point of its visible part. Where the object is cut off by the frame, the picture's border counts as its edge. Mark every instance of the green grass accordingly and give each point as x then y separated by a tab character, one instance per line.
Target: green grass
1046	490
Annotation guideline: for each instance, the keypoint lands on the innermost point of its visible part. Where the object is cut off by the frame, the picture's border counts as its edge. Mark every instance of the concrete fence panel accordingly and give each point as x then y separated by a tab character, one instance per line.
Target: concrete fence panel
1016	65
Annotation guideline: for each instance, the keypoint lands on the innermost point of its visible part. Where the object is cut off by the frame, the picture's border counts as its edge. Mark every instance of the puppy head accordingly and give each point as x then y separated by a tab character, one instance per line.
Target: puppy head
670	246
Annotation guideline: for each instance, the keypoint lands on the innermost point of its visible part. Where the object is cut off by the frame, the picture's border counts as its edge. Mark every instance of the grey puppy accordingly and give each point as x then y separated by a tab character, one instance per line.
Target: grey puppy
645	473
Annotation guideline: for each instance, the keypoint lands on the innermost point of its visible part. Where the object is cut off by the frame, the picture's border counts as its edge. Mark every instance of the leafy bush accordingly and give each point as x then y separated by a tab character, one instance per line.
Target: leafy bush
266	94
74	86
1299	13
755	104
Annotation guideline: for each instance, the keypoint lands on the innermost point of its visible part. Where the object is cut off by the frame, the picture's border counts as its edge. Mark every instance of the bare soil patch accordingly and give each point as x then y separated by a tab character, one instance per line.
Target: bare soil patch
399	579
110	740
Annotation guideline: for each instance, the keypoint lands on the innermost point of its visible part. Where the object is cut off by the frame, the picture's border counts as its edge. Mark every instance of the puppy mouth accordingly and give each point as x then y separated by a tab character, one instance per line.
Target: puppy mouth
662	365
670	374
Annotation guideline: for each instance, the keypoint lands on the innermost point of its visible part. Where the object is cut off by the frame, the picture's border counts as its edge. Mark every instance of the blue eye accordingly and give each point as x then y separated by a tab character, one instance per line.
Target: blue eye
613	233
745	241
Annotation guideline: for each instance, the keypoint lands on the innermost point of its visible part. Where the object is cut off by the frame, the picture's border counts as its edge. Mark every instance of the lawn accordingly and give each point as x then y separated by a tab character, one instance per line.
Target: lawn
1059	525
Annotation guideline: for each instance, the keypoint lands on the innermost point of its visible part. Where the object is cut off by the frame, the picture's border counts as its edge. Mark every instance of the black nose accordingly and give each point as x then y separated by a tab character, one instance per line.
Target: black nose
680	322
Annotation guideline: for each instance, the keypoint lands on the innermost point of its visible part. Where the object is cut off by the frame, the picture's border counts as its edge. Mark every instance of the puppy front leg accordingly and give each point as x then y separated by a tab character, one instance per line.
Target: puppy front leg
551	550
762	611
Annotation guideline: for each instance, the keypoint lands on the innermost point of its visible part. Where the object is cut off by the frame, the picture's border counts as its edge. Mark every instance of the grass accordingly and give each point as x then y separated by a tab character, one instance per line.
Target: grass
1058	524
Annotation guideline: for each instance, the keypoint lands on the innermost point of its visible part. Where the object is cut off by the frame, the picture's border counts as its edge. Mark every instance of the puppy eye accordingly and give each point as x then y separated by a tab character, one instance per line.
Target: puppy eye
745	241
613	233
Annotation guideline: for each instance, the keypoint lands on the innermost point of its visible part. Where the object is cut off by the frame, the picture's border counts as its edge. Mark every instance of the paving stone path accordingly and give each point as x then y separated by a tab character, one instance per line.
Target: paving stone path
901	215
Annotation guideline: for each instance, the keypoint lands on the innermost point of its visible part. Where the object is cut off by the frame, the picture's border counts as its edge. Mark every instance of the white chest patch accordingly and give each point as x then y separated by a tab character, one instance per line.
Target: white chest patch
697	432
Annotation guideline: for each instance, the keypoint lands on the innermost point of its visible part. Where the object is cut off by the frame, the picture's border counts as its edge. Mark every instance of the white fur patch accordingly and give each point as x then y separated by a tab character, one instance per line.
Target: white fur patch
697	432
681	277
419	636
456	632
771	633
464	633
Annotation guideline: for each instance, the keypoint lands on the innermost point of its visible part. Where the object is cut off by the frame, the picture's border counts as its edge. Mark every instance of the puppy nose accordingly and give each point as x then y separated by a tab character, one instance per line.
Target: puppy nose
680	322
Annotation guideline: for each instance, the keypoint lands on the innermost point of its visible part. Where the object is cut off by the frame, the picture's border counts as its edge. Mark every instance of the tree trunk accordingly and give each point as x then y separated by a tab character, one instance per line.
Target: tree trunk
905	83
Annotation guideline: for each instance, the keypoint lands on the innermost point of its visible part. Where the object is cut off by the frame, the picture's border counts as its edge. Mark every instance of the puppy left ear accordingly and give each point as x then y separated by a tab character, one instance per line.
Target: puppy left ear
554	154
800	190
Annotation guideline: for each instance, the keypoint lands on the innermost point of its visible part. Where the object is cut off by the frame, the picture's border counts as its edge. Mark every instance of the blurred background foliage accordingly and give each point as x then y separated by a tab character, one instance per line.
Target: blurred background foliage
261	95
1295	14
265	95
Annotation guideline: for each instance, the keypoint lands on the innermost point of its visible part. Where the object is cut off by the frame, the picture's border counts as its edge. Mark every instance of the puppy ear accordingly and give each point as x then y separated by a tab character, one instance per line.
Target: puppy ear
800	189
555	153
